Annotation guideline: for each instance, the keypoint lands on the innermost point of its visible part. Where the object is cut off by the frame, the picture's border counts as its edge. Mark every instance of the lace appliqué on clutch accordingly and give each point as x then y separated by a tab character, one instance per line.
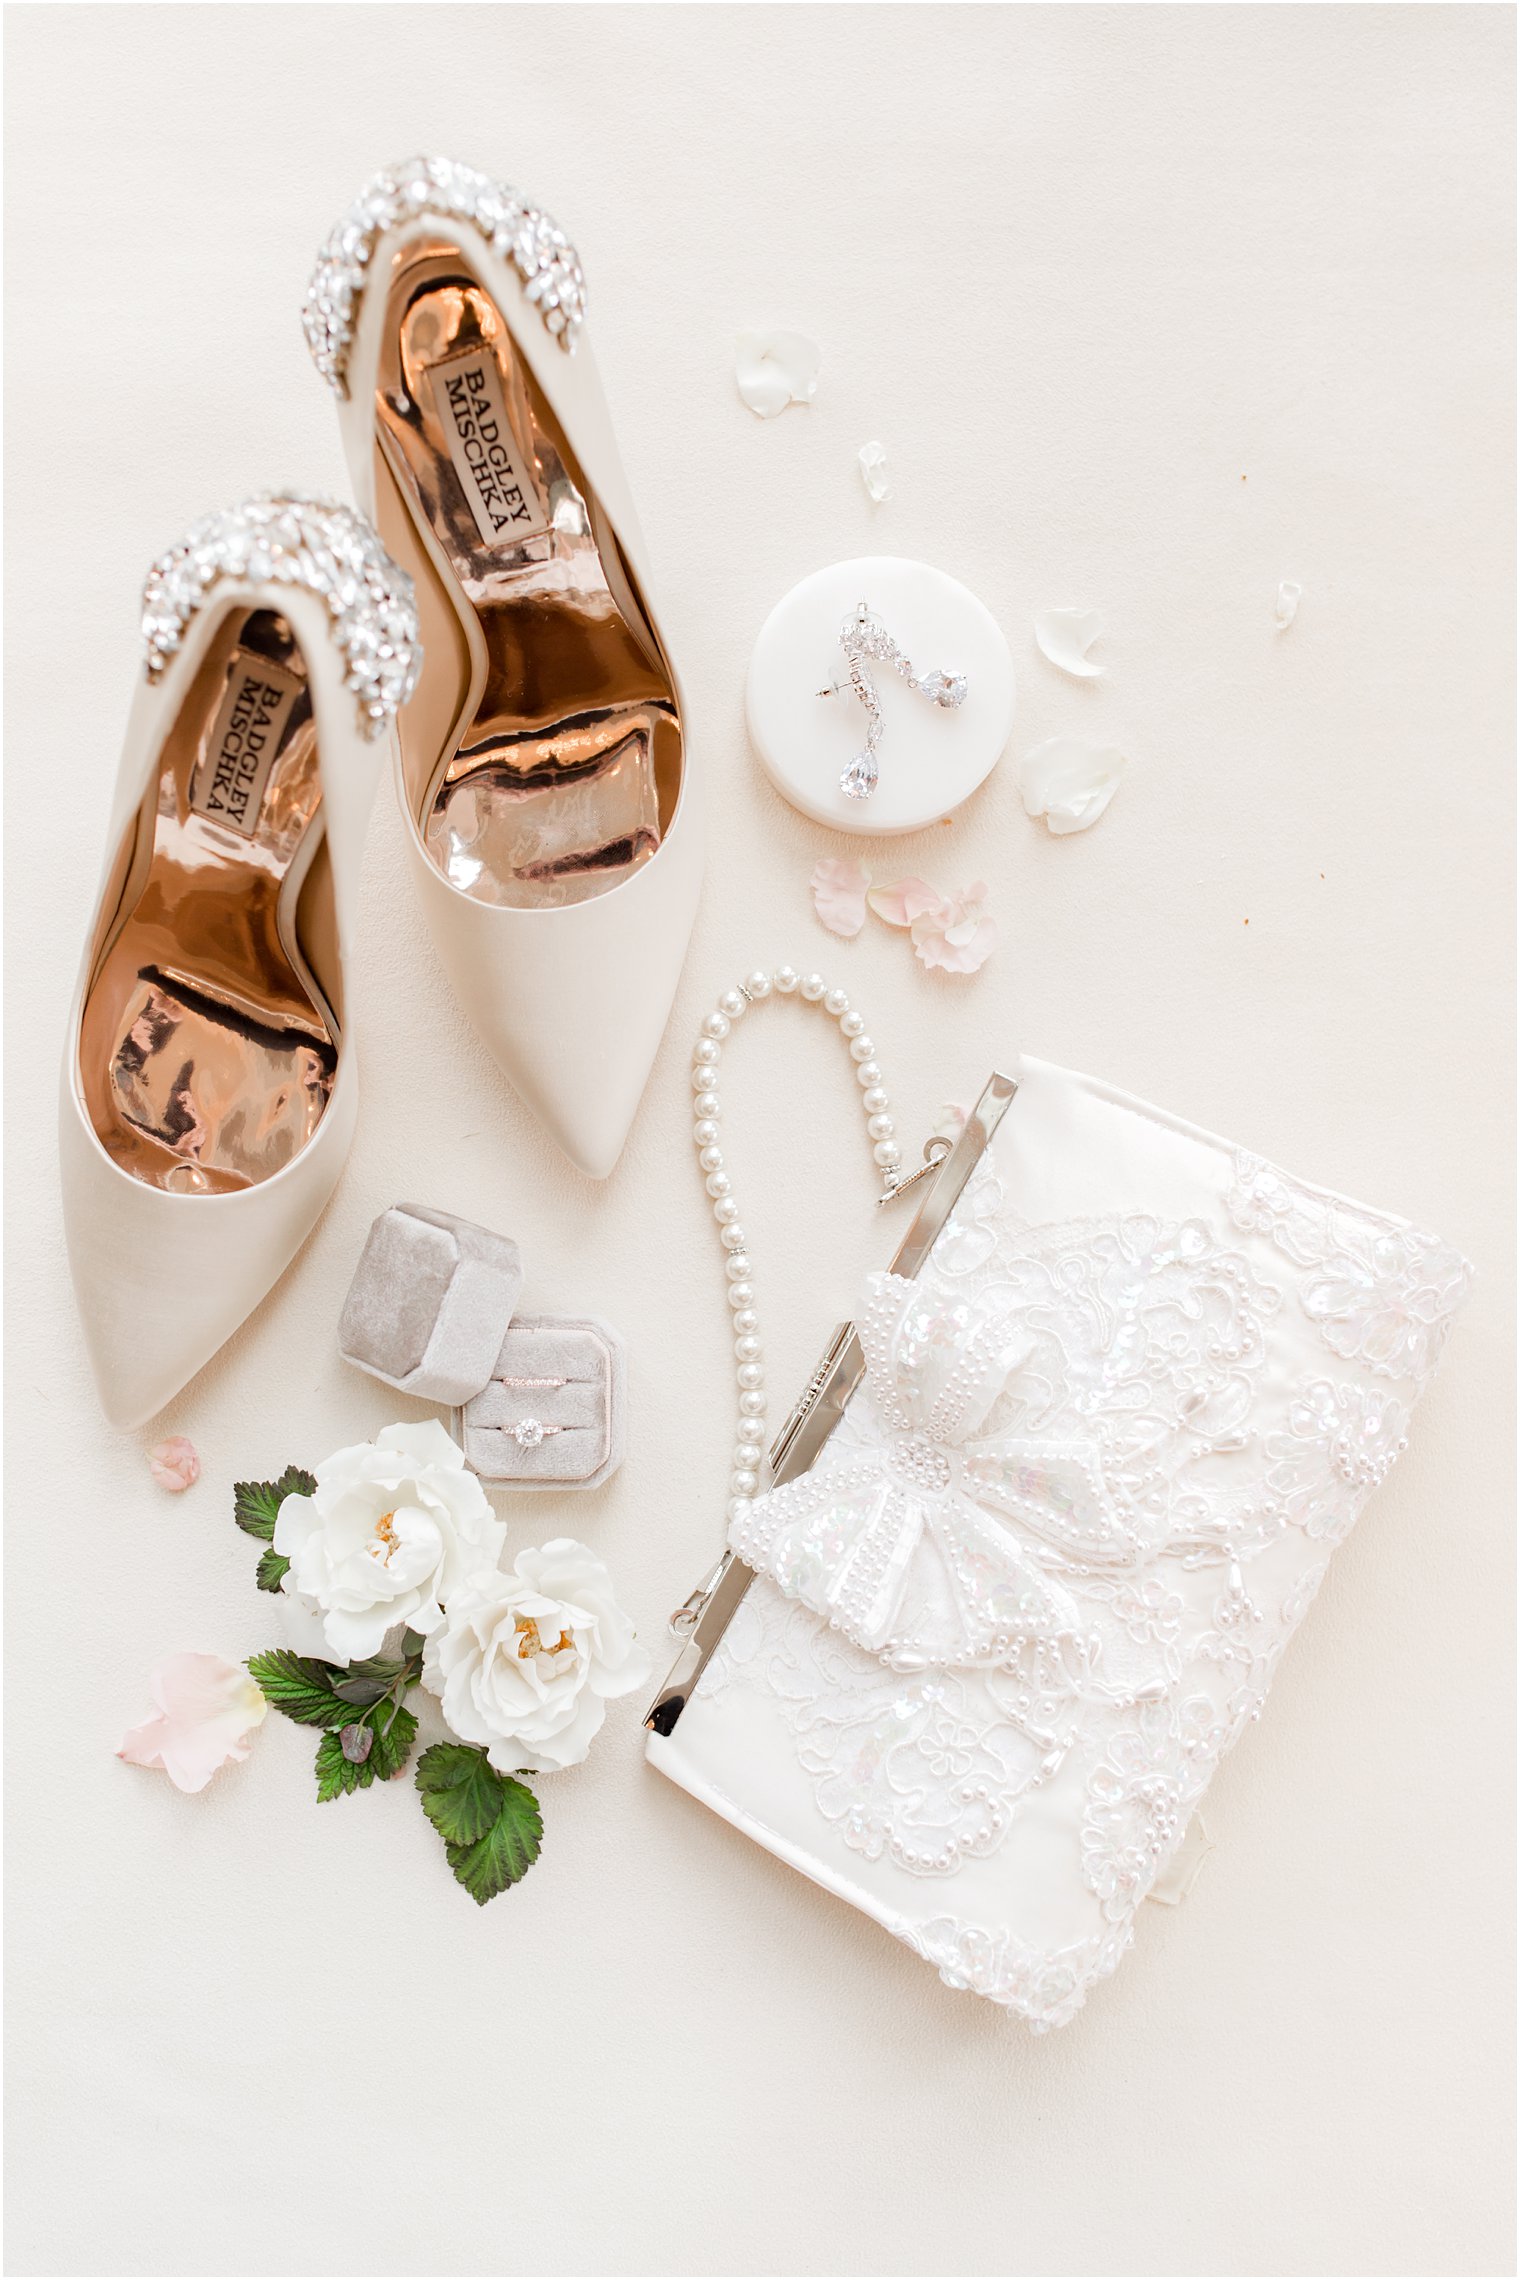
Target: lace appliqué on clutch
1381	1293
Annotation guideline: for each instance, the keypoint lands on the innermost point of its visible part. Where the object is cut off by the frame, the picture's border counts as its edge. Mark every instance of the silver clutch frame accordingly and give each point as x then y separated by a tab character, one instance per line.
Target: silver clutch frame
701	1623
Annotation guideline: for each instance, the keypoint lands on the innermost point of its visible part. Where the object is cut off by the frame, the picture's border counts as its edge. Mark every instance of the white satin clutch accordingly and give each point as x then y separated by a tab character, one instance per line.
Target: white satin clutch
1046	1520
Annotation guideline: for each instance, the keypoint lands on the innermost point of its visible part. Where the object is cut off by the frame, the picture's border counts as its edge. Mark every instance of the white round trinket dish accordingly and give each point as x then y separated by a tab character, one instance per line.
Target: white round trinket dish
943	680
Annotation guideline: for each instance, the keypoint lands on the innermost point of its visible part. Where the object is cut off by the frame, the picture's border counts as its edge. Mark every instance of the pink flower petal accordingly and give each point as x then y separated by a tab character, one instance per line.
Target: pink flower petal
900	905
207	1713
175	1465
958	937
839	895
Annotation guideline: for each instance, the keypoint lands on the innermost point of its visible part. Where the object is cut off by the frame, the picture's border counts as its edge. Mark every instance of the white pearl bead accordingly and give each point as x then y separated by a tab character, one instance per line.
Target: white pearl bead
733	1003
706	1053
861	1049
745	1457
887	1152
705	1134
747	1347
758	984
751	1429
733	1238
813	987
785	979
836	1003
751	1376
879	1127
708	1106
741	1296
875	1101
738	1507
737	1268
725	1211
752	1404
719	1183
744	1483
852	1025
868	1074
746	1321
716	1025
711	1160
701	1076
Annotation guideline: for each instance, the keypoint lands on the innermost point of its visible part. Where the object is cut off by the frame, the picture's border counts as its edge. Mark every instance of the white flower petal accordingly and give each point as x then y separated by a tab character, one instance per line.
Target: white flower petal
1289	594
874	472
303	1622
427	1441
774	369
1070	781
1065	637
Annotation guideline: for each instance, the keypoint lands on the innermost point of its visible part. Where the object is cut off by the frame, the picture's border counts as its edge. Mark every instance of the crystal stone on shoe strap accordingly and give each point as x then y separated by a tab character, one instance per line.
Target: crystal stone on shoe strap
299	541
515	229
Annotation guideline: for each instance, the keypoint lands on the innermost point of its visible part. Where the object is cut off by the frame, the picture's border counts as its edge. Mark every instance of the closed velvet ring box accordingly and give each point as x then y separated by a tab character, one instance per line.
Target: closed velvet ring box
538	1401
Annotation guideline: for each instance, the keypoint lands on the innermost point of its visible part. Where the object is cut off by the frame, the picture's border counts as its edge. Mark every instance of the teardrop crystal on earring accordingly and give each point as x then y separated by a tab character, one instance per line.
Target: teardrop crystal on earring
859	780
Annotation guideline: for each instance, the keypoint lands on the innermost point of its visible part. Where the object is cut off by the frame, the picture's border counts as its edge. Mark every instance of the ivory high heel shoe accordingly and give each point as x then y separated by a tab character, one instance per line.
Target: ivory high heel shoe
209	1086
543	769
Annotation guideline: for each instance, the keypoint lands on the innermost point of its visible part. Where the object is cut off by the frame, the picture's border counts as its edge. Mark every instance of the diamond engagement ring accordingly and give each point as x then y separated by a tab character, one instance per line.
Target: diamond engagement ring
862	636
529	1431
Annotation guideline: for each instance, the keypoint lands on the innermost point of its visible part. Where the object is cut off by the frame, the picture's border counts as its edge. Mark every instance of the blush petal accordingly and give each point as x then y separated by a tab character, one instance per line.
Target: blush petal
207	1713
839	895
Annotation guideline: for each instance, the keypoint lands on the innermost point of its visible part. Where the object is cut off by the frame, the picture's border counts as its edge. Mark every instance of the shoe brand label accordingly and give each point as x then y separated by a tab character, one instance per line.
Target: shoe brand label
490	463
229	783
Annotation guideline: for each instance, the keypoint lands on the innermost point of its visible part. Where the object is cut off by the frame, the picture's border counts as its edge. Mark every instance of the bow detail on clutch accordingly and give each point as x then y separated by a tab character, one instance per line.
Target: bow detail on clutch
902	1543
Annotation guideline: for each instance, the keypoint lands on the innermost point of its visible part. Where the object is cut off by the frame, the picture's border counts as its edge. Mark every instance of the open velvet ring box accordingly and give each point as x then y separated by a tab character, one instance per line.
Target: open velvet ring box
538	1401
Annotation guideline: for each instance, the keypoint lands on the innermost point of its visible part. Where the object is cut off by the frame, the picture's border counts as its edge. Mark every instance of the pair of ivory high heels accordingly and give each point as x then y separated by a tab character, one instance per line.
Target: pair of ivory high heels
499	634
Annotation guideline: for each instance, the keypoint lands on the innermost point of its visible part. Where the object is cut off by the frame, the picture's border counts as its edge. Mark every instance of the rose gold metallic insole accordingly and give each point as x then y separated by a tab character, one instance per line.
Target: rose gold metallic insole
207	1050
560	780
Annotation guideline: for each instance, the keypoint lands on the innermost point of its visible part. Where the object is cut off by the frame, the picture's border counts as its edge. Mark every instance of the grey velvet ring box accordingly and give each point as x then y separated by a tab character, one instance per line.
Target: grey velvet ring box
539	1401
552	1415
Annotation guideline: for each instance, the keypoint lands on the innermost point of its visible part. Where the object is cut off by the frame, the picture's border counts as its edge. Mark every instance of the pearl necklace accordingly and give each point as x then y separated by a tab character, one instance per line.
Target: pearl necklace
744	1479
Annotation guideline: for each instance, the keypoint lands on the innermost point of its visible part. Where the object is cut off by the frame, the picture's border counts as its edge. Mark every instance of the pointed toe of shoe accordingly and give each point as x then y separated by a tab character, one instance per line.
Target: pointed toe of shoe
162	1281
572	1003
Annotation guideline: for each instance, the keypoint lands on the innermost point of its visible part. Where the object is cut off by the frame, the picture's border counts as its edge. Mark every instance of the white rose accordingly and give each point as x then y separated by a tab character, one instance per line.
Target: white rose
527	1660
393	1527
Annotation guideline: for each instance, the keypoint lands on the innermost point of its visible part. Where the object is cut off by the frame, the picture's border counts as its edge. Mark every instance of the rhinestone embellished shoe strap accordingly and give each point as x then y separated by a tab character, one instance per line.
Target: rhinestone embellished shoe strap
515	229
294	540
759	986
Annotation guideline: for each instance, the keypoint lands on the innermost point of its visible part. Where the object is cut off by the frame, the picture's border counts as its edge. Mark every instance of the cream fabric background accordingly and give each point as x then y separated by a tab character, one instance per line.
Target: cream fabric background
1151	307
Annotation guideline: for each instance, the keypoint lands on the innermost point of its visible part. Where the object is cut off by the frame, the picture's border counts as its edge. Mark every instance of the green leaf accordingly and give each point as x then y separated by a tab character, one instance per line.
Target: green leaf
506	1852
272	1567
256	1503
461	1791
394	1732
366	1680
300	1687
491	1825
339	1776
